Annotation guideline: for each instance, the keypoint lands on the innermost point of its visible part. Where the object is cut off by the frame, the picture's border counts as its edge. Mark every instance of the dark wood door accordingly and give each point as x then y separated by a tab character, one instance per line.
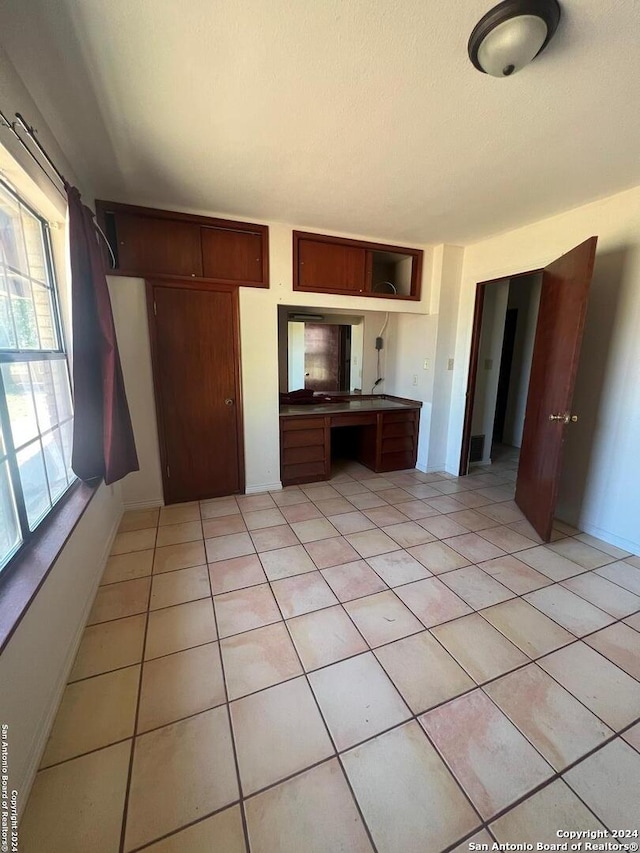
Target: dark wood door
232	255
563	307
321	357
194	336
148	246
330	266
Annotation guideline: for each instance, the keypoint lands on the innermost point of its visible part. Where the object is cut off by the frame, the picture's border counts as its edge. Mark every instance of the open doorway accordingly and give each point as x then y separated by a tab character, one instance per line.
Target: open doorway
507	334
548	394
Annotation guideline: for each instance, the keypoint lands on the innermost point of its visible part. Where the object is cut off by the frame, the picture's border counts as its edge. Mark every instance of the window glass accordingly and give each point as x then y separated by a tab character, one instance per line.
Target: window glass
55	463
10	537
20	402
36	412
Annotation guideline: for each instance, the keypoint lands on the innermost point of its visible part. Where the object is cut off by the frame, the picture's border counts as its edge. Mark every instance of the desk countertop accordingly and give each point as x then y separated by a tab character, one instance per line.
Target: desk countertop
353	405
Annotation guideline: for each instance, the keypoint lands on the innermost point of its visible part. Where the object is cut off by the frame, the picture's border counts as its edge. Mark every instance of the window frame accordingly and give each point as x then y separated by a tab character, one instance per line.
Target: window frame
24	356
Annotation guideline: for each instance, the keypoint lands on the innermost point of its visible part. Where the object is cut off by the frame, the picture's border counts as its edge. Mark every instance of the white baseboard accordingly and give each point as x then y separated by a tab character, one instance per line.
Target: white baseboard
142	505
611	538
267	487
46	724
431	469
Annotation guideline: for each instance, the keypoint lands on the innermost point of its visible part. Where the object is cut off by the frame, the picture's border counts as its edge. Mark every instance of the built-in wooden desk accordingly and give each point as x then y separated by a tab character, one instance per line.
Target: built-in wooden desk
386	438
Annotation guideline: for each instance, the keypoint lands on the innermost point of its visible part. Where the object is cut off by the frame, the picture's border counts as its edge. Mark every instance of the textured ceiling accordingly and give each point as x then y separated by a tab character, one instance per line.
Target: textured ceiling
362	116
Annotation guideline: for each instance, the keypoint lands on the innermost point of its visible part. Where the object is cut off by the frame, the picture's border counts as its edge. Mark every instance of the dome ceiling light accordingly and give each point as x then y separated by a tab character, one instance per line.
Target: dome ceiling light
512	34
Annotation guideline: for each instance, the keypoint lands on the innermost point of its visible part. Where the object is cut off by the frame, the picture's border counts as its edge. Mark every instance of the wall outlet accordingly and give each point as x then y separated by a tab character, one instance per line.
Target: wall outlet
450	364
415	379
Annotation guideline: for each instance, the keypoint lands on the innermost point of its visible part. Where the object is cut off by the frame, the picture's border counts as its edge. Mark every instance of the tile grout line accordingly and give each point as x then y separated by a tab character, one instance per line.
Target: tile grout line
616	734
234	748
474	610
336	754
514	596
125	811
476	686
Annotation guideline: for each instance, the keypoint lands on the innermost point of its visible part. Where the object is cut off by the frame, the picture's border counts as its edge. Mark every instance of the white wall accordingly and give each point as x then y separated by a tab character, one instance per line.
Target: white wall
524	296
494	312
601	472
128	301
35	665
413	340
259	354
420	351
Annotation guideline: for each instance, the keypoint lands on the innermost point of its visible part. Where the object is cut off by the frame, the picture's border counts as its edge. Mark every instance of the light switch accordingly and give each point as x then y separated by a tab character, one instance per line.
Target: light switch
488	364
426	364
415	379
450	364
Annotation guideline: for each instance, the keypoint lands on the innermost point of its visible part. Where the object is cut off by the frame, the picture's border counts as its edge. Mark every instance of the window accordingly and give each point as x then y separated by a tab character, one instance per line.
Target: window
36	413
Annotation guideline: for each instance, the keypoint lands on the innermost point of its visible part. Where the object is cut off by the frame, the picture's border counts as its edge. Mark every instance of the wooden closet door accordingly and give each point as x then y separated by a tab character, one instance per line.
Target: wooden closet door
196	365
554	366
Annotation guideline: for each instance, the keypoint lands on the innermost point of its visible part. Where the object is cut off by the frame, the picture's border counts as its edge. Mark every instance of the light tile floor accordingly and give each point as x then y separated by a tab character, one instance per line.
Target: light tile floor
376	663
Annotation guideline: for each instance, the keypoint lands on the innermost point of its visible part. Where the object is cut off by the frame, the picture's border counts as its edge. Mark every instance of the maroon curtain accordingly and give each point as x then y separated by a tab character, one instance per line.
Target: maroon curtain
103	443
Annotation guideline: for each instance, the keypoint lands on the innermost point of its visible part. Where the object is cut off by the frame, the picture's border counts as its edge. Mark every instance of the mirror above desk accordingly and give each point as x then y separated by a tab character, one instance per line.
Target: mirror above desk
320	350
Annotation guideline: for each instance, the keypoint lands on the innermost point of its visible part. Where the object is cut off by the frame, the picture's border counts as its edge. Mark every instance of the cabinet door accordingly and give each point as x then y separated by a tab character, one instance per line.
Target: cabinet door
398	440
197	384
229	255
305	450
330	266
150	246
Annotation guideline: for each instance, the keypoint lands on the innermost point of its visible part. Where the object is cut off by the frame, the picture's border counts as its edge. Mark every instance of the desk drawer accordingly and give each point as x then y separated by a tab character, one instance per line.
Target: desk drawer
292	455
345	419
303	472
304	450
399	417
395	445
398	429
291	424
303	437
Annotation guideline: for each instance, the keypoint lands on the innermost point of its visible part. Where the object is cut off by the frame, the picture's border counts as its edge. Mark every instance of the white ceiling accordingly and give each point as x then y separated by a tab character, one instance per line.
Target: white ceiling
363	116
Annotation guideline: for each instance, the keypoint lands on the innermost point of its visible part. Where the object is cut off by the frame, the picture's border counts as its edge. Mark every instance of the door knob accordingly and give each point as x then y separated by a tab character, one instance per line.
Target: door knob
564	418
228	402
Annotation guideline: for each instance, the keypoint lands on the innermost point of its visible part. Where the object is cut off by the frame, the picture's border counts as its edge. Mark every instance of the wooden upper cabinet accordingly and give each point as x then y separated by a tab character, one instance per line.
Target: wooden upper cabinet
156	246
161	243
232	255
330	266
325	264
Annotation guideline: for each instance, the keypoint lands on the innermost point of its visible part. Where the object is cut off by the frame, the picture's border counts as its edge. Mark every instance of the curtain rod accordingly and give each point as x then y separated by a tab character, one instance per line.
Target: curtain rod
31	133
11	125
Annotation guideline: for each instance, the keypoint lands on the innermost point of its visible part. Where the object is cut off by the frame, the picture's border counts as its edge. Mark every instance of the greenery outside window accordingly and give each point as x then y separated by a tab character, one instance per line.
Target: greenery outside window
36	412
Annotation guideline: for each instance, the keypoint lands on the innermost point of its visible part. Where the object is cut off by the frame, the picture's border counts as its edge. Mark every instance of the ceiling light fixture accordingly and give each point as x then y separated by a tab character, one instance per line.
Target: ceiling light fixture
512	34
